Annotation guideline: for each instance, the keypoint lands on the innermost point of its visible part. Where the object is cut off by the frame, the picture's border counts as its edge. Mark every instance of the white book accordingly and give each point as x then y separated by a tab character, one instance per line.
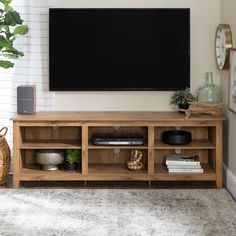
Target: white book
185	170
184	166
182	160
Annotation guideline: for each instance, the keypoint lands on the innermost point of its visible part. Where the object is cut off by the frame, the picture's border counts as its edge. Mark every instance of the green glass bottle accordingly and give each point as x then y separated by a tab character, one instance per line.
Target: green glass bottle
210	93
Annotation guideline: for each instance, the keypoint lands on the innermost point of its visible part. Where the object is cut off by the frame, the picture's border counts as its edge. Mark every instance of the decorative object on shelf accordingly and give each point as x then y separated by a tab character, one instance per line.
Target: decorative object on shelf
5	157
183	164
223	43
71	159
49	159
232	81
11	26
209	93
176	137
135	161
181	98
199	107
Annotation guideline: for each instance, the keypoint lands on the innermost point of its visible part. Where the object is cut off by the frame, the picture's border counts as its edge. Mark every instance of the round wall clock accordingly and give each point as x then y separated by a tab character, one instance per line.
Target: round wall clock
223	43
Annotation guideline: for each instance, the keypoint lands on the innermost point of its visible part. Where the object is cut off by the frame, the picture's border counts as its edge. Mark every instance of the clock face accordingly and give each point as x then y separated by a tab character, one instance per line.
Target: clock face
223	44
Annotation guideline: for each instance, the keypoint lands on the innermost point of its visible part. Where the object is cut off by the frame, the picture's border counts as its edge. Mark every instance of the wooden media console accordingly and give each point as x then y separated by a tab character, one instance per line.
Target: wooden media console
75	130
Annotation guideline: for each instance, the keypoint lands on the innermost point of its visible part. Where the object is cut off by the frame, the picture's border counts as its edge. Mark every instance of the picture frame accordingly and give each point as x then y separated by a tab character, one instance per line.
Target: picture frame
232	81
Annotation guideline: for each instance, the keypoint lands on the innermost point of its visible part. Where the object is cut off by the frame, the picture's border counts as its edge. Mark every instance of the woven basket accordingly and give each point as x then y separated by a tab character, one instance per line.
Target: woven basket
4	156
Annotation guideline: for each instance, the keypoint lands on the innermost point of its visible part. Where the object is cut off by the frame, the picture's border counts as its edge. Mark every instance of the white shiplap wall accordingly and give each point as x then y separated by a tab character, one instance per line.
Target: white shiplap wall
33	67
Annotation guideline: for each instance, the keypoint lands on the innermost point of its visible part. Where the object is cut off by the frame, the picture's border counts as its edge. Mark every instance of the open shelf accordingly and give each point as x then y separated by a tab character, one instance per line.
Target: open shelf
112	169
50	144
162	173
34	172
91	146
195	144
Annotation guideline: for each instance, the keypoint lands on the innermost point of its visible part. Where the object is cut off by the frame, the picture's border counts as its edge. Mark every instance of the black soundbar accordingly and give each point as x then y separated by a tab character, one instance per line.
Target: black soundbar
118	141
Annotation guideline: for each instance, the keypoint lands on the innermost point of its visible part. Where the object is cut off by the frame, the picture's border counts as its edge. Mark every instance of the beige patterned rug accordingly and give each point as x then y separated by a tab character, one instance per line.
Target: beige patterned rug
113	212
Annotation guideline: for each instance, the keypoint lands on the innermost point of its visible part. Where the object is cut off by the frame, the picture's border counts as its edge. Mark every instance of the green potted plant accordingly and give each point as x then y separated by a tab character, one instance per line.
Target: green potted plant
10	27
71	159
182	97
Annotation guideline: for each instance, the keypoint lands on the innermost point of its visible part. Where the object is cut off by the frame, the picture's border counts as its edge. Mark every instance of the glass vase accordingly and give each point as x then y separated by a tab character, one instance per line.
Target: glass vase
209	93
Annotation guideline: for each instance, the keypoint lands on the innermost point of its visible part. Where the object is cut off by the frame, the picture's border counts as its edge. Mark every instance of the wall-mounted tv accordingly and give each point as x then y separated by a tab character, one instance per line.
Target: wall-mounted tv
132	49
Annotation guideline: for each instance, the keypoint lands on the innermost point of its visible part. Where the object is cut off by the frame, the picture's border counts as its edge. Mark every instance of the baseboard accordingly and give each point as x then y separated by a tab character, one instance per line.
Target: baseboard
229	181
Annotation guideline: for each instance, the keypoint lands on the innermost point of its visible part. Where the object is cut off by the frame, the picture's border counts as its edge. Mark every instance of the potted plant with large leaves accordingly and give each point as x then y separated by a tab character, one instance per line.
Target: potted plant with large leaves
11	25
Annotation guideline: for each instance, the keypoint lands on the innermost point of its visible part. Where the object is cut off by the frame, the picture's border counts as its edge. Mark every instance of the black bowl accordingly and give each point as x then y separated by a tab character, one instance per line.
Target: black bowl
176	137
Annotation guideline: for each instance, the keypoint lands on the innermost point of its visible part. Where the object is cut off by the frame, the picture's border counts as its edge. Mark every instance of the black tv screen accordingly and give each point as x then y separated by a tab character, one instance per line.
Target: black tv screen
119	49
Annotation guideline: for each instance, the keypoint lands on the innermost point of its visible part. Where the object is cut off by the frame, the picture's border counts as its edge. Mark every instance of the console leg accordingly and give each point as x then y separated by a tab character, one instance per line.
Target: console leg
149	184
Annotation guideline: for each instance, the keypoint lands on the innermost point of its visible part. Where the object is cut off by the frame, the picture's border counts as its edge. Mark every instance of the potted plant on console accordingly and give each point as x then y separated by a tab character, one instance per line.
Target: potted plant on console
71	159
182	97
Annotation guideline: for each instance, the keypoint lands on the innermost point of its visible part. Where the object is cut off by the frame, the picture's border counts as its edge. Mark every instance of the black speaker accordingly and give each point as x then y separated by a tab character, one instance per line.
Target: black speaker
26	99
176	137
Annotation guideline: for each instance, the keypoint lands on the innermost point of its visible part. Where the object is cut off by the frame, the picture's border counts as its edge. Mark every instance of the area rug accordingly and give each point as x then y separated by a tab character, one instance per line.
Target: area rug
113	212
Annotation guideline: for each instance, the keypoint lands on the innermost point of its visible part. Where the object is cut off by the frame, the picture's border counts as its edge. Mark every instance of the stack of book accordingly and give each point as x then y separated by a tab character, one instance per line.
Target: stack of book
183	164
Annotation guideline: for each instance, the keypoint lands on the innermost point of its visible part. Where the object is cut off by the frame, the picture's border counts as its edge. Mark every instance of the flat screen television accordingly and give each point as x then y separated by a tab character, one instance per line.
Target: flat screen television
119	49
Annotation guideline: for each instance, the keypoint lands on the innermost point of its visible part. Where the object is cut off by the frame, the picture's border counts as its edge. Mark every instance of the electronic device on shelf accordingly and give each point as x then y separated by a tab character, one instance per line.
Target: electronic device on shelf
176	137
26	99
119	141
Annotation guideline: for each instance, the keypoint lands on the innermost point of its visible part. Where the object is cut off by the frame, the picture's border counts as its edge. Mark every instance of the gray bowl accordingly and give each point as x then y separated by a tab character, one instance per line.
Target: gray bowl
49	159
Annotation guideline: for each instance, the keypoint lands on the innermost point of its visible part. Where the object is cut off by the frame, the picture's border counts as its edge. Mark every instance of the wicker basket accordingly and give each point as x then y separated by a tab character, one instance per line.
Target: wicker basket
4	156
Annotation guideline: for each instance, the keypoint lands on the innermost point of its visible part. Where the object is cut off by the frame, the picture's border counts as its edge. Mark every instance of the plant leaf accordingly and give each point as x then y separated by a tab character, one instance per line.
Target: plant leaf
13	18
4	42
6	1
11	56
6	64
7	7
9	35
14	51
21	30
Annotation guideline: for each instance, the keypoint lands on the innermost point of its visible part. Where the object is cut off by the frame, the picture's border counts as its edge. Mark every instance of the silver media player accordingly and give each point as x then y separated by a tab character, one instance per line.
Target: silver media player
118	141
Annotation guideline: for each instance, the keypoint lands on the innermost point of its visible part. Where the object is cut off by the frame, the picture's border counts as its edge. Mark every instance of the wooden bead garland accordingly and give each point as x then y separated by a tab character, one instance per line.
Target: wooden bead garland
200	107
135	162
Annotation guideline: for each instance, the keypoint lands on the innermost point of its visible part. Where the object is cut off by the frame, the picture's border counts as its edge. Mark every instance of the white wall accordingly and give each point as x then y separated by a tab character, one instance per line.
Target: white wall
228	16
205	16
30	69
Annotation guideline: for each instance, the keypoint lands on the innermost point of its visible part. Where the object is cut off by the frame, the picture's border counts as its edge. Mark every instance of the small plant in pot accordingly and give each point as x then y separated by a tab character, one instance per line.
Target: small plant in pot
71	159
182	97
